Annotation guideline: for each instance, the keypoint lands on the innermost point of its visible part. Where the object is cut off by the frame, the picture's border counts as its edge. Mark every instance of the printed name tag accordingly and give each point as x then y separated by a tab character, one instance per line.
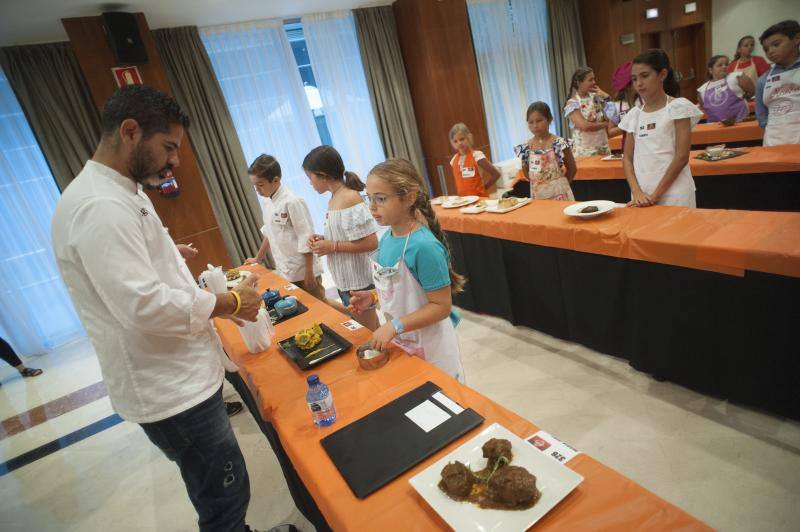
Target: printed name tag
553	447
352	325
467	171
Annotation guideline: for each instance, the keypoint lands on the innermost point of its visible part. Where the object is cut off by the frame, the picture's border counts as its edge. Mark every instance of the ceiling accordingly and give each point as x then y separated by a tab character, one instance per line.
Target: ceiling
37	21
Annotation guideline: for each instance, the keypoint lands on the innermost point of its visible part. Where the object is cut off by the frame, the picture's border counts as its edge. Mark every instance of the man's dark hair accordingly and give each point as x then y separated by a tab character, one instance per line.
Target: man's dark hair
790	28
153	110
266	167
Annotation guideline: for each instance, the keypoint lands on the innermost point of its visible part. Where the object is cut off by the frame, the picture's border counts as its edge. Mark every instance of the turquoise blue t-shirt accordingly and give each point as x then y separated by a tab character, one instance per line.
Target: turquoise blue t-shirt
425	257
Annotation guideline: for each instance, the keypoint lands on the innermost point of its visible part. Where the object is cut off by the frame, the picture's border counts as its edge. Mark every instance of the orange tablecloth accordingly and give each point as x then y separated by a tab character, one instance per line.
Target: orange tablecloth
605	499
724	241
714	133
757	160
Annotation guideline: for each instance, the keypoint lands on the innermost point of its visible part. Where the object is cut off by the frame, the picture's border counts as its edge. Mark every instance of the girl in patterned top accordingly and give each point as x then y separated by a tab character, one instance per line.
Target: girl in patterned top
547	159
586	109
350	230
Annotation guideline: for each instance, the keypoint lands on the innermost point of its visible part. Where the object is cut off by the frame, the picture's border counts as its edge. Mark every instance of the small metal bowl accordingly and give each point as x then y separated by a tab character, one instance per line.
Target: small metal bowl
369	358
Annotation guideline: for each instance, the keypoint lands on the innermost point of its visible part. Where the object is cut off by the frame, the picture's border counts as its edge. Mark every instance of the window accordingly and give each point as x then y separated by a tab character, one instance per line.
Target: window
294	32
36	312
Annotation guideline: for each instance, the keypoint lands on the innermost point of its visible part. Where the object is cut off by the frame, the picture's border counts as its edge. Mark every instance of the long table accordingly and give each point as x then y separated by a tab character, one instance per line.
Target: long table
747	133
764	178
275	390
703	298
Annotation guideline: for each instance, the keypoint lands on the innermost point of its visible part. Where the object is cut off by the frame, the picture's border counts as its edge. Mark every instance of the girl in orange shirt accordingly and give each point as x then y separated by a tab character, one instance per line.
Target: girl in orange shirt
473	173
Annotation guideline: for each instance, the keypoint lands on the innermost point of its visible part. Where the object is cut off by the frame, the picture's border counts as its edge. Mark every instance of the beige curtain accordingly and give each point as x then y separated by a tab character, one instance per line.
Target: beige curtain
214	139
566	51
388	85
49	85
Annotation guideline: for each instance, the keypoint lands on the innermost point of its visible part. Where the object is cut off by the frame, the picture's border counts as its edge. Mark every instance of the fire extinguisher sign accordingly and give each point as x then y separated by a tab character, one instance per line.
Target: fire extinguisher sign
127	76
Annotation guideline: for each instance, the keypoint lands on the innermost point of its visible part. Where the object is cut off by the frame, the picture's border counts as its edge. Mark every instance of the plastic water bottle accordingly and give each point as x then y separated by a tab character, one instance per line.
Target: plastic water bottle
320	402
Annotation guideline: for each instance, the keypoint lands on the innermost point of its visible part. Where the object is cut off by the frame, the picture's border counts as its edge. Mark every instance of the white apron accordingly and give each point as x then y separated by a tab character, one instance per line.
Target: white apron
654	150
400	294
782	98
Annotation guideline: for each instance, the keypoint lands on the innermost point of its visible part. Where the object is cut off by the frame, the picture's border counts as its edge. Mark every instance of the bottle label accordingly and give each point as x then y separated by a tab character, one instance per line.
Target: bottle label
321	405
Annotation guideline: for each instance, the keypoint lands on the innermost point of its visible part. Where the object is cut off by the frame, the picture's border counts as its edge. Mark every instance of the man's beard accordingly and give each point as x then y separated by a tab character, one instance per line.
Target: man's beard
143	170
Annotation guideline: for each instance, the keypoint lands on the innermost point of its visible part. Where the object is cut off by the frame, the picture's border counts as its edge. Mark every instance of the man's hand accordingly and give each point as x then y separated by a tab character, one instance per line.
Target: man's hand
250	296
187	251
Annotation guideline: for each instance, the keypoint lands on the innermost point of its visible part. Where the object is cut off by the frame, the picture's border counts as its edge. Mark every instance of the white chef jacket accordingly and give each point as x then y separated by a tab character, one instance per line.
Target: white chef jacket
145	315
288	226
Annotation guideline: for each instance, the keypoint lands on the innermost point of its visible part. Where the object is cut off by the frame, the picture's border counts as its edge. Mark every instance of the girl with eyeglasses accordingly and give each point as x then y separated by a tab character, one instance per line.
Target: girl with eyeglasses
350	231
412	272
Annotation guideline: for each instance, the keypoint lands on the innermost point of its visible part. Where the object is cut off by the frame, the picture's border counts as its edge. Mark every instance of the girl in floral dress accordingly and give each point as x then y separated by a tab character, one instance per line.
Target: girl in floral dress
586	110
547	159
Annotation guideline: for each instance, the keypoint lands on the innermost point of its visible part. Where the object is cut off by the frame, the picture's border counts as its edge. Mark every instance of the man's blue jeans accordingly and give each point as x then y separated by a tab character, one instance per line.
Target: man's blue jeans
200	440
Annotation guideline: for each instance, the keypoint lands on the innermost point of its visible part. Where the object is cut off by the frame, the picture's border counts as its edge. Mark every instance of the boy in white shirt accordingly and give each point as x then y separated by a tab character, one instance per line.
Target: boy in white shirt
287	228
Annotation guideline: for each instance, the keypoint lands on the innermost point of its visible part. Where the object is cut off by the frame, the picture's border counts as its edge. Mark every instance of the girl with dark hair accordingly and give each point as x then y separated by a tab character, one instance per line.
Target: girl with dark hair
585	109
722	97
658	139
547	160
753	66
350	231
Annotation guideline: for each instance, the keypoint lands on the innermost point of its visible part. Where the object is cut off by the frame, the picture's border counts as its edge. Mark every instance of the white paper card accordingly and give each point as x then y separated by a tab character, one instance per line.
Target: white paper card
427	416
352	325
553	447
449	403
290	287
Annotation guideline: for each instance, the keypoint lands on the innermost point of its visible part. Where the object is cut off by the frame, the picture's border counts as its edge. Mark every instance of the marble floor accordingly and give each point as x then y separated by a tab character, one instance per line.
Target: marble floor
732	467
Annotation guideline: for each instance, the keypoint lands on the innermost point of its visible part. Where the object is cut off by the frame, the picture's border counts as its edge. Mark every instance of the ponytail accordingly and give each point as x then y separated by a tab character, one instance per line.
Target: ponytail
423	206
352	181
405	179
671	86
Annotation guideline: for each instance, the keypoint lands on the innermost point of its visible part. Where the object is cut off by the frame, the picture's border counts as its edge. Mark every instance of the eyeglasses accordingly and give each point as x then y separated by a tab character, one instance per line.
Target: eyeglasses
379	199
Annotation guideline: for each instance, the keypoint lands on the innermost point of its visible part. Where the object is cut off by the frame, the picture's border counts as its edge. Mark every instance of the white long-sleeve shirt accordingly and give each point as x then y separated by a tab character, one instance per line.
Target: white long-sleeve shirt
288	226
144	313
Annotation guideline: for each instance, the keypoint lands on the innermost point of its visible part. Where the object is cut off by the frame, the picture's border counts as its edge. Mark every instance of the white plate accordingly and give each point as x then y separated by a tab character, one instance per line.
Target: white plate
474	209
612	157
553	479
461	201
603	206
442	199
231	284
497	210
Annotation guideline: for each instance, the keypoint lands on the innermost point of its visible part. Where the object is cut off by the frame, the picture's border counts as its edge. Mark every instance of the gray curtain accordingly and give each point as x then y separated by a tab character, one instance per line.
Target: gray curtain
214	139
49	85
388	85
566	51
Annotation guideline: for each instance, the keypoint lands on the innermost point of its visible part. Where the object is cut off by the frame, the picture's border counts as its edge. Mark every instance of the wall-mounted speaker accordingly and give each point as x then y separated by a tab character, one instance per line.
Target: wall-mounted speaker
124	39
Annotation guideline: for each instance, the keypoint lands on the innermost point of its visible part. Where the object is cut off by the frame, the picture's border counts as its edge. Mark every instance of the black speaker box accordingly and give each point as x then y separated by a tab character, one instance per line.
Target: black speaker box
123	37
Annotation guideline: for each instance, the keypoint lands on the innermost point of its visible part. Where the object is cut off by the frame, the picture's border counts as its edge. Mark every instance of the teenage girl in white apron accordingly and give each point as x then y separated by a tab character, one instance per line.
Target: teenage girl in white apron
658	140
413	279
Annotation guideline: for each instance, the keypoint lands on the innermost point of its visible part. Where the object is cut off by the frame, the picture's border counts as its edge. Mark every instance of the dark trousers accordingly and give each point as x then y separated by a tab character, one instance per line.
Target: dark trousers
7	353
201	442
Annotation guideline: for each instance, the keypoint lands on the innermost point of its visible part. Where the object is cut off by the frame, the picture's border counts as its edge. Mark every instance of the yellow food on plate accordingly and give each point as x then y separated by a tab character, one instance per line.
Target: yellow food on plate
480	204
232	274
505	203
308	338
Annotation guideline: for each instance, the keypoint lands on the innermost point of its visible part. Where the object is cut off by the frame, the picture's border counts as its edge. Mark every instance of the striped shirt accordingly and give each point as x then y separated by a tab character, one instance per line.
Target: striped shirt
350	271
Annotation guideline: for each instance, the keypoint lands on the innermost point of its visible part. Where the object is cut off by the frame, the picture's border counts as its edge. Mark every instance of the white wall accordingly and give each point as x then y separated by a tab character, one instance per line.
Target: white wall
733	19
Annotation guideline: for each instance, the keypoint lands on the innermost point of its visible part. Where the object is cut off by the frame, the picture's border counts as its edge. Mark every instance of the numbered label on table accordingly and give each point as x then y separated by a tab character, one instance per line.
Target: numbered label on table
553	447
352	325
